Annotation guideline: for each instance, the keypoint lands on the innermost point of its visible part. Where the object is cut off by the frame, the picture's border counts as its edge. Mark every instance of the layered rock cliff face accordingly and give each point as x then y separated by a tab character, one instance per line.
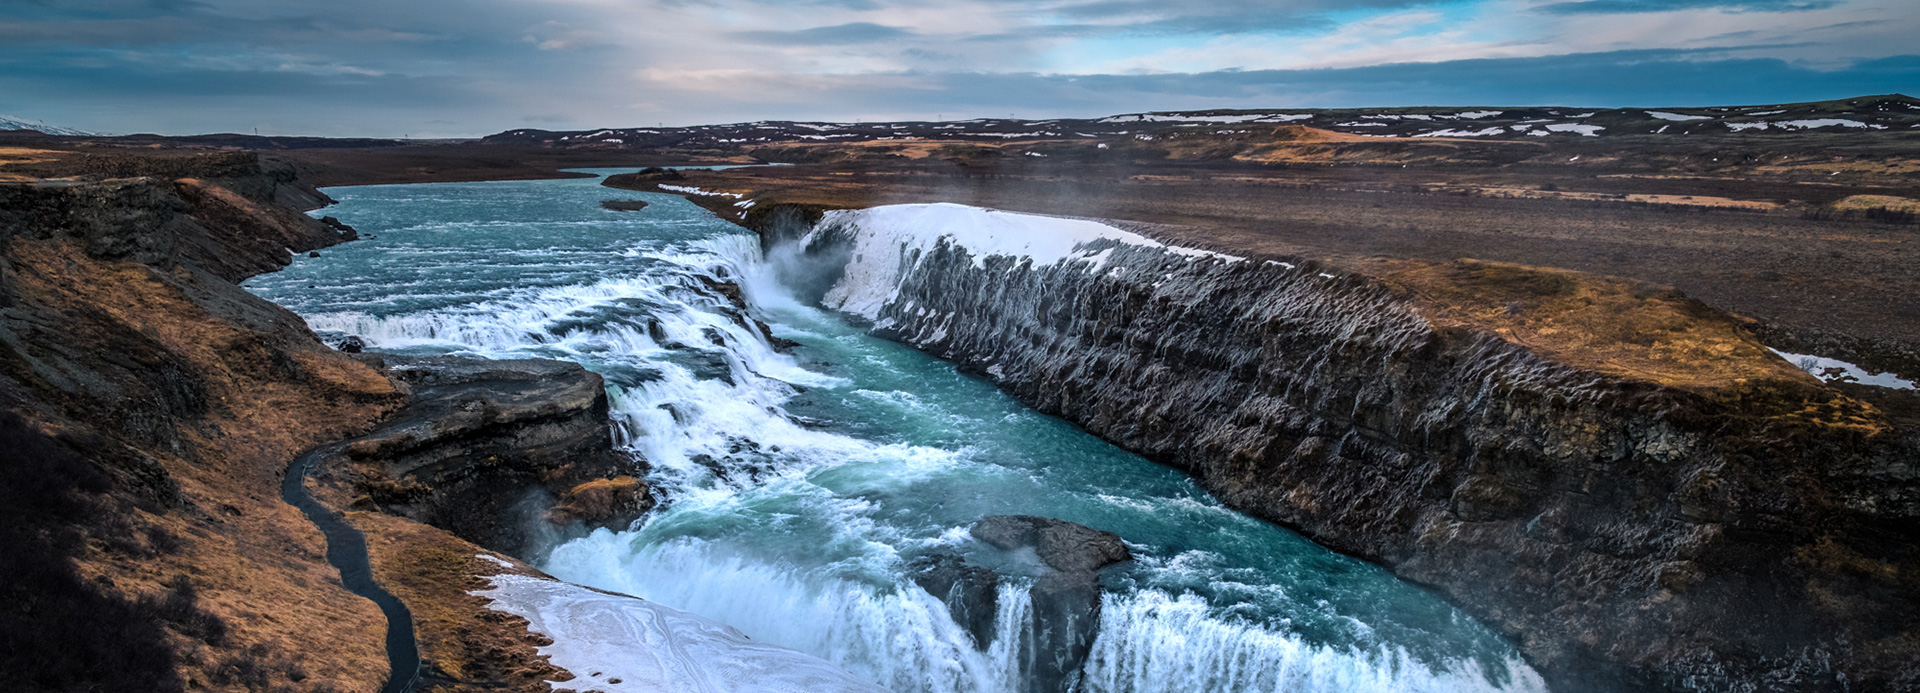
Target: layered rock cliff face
505	454
1630	533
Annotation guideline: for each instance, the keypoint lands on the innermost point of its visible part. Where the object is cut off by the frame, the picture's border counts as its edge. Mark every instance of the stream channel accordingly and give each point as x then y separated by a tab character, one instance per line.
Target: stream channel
797	488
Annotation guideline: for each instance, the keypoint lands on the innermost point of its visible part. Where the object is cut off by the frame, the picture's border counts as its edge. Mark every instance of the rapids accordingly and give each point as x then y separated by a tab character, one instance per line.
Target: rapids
794	488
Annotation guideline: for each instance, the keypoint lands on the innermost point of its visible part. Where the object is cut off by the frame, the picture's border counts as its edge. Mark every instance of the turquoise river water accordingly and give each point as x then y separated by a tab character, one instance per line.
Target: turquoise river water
795	488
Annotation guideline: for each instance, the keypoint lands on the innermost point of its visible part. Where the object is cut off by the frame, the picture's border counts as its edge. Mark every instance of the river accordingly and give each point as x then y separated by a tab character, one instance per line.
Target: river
795	488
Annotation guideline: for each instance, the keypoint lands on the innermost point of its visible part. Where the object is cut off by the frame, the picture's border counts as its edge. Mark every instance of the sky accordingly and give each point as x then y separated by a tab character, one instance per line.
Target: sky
450	68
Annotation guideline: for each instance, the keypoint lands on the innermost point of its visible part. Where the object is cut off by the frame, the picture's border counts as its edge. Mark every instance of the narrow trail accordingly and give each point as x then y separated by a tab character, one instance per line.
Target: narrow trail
347	552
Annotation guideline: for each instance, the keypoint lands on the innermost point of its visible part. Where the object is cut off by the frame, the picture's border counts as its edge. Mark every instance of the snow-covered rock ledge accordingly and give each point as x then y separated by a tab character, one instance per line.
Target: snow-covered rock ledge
890	242
620	644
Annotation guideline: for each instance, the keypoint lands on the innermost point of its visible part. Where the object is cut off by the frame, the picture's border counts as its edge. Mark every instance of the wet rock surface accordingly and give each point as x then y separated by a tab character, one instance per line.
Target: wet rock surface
1066	598
1626	535
970	592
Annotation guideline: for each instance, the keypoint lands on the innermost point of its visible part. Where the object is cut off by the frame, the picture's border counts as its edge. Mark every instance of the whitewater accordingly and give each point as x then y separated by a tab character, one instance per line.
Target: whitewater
796	488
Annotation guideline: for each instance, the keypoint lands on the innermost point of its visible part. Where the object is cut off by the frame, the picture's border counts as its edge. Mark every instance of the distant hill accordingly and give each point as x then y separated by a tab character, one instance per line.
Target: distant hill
1892	112
11	123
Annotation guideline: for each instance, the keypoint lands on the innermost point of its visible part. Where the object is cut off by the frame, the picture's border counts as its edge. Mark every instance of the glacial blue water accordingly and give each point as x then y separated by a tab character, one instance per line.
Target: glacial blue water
795	488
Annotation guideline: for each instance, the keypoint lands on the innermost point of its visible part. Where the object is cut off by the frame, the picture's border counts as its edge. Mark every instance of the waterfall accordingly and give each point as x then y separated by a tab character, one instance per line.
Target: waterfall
795	488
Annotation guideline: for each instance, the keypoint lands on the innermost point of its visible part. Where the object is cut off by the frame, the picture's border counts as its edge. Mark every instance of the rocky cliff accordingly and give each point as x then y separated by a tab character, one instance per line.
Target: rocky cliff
505	454
150	407
1617	477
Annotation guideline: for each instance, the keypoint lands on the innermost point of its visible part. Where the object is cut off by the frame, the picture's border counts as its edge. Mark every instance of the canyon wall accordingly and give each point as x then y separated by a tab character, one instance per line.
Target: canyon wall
1749	531
149	407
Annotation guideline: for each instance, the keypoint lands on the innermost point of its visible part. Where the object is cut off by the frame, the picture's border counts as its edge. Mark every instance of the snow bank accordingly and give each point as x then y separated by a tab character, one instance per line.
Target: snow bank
1587	130
1676	116
621	644
690	190
1464	133
1818	364
889	241
1805	124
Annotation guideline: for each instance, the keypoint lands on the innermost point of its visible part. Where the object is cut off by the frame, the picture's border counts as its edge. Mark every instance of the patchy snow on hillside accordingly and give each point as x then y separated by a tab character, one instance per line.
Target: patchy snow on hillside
1805	124
1586	130
1676	116
690	190
622	644
1496	130
12	123
1819	366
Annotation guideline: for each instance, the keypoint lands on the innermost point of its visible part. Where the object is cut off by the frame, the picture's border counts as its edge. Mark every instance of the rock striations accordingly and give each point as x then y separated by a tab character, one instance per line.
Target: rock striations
1630	533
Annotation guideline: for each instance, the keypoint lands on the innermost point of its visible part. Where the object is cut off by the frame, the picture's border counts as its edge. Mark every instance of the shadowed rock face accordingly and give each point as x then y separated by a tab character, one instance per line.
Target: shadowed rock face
1627	535
500	452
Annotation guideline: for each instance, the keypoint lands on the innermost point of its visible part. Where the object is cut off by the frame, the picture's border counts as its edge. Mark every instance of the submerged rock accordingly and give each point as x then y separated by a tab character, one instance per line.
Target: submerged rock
623	205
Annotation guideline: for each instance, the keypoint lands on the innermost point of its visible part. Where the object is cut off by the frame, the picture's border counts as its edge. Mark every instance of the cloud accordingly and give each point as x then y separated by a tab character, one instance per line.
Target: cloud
1640	6
853	32
463	67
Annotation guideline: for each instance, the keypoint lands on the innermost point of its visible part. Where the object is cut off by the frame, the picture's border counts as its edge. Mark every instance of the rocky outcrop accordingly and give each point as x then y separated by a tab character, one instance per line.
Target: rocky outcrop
1065	594
1066	599
1629	534
503	453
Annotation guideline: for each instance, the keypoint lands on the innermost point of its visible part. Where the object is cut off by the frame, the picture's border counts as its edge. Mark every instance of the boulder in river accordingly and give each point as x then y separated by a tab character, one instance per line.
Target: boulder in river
1066	600
971	592
623	205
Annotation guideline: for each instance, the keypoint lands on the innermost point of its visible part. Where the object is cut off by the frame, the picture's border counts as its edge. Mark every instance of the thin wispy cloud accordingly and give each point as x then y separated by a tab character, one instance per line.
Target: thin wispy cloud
465	67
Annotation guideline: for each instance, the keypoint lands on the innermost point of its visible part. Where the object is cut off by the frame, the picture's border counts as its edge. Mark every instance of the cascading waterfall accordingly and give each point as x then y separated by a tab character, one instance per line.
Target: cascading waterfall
796	487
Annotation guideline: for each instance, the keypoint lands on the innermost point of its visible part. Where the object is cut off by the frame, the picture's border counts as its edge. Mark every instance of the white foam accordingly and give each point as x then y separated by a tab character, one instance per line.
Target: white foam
1151	642
603	638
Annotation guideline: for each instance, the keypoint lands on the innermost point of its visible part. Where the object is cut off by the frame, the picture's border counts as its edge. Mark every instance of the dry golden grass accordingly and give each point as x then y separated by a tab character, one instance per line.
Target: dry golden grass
1888	202
474	647
257	562
1603	324
1536	193
10	156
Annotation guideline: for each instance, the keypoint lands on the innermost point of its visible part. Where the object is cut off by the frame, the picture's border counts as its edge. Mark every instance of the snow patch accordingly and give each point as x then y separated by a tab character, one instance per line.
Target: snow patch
690	190
1805	124
1676	116
1585	130
1819	366
493	559
1464	133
